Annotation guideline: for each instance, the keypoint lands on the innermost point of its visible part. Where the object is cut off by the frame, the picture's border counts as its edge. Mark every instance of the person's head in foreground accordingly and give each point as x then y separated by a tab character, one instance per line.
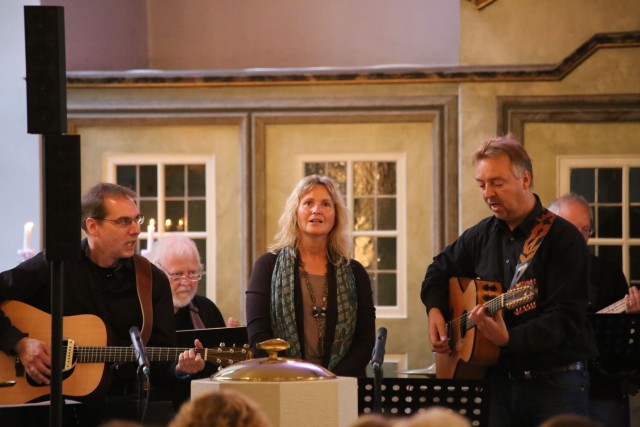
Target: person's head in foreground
220	409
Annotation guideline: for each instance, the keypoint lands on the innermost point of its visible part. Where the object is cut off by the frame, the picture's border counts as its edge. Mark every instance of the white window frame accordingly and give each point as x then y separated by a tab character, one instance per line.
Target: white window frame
400	309
111	160
564	166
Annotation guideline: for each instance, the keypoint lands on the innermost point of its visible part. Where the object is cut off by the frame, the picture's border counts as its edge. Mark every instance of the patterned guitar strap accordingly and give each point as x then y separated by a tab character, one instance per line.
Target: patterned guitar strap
533	242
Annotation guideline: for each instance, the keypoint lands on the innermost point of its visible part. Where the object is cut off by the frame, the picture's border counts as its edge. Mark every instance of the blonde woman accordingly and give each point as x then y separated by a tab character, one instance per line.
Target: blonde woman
308	290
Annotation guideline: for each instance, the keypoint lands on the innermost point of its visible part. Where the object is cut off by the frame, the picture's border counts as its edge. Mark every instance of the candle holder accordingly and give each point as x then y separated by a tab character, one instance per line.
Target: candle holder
25	253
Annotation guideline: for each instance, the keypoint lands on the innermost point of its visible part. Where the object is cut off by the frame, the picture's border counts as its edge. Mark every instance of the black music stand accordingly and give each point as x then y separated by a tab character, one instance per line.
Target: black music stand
406	396
618	340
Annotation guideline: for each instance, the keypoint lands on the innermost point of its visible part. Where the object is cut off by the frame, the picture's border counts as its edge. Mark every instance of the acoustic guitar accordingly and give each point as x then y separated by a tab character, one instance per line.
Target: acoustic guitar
84	355
471	352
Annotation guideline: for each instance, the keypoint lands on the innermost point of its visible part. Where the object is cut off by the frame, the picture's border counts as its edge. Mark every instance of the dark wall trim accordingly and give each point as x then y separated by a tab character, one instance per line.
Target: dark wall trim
367	75
515	112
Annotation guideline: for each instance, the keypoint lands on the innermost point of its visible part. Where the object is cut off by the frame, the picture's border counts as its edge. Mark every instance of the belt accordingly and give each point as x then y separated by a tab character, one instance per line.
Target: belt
534	373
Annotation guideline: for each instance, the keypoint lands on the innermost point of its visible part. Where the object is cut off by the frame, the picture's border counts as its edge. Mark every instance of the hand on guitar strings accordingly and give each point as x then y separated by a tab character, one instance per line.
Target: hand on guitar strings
632	300
493	328
438	332
35	356
190	362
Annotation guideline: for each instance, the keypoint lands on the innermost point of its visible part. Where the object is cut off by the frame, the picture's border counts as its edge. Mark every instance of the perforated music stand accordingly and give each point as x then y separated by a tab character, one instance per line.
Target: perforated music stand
618	340
406	396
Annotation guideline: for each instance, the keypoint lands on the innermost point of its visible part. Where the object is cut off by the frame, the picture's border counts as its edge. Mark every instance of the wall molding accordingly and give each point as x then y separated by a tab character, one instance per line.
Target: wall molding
363	75
515	112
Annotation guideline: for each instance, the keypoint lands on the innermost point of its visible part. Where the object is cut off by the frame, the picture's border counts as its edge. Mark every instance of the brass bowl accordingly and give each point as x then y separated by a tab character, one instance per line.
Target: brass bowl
273	368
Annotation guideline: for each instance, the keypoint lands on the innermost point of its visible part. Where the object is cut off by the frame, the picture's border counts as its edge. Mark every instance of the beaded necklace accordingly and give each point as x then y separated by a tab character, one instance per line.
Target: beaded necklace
319	313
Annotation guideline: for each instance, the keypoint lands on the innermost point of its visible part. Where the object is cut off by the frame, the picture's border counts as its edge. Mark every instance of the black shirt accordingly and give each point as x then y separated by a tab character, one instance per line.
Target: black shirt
556	331
608	284
207	310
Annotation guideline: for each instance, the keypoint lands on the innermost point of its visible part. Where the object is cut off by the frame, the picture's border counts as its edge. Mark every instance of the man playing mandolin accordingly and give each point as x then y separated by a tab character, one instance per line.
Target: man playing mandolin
541	349
101	281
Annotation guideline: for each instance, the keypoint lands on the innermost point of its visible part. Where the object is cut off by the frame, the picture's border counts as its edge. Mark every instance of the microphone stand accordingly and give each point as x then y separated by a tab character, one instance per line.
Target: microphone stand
377	359
143	372
377	388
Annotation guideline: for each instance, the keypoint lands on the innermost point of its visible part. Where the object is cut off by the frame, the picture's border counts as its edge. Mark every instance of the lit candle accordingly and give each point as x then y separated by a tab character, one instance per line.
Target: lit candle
150	229
26	240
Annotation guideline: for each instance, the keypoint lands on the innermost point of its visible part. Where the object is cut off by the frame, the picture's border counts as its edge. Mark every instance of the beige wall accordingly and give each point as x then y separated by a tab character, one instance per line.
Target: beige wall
538	31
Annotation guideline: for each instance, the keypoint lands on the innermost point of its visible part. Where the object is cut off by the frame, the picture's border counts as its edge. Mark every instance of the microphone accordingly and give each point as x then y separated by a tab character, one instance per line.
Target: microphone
141	352
377	357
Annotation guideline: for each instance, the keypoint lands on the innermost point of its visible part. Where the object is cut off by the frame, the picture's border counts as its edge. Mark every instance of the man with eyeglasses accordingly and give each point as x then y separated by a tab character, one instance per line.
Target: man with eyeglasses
179	258
100	281
607	282
608	397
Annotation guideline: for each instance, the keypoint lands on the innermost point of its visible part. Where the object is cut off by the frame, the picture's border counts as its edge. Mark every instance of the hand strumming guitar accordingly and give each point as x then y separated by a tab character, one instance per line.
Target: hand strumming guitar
438	332
493	327
35	356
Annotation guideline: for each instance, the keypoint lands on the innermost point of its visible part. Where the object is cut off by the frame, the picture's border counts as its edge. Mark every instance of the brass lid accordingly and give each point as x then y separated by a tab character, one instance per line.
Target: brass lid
273	368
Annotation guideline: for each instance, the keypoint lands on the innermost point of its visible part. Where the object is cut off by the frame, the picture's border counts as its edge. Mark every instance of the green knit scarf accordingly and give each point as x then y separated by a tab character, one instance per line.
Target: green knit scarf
283	313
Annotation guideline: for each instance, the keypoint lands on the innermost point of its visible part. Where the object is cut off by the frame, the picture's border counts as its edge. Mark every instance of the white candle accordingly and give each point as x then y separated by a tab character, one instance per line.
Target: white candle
150	229
26	240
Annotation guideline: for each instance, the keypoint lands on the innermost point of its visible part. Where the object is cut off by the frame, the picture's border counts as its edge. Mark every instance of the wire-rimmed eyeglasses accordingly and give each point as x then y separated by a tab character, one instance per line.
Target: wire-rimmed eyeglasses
125	221
191	277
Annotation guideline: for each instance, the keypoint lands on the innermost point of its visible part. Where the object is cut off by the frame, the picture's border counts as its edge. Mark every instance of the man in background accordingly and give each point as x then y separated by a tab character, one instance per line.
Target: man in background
609	400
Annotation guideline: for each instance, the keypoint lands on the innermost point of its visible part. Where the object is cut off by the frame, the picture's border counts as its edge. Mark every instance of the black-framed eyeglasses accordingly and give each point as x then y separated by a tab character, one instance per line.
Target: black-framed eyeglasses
125	221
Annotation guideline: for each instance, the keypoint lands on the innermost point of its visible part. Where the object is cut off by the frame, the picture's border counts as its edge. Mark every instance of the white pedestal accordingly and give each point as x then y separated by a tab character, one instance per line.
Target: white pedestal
323	403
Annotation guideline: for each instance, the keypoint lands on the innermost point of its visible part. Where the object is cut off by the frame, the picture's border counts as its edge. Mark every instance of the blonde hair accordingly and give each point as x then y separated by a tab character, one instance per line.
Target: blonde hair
339	241
225	408
436	416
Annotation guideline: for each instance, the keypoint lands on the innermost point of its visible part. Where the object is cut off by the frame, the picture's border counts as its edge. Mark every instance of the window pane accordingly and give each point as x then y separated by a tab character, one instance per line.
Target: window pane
386	214
387	289
387	253
126	176
314	169
634	221
583	182
174	211
148	181
609	222
197	220
610	185
387	178
363	214
365	251
197	180
149	208
634	185
363	178
174	181
611	254
634	264
338	171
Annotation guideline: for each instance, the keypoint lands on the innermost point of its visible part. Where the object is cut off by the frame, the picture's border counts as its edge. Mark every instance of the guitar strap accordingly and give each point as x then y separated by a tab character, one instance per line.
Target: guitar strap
143	284
533	242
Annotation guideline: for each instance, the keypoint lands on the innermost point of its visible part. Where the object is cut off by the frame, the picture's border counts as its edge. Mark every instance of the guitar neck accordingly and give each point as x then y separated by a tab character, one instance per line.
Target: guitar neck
492	308
85	354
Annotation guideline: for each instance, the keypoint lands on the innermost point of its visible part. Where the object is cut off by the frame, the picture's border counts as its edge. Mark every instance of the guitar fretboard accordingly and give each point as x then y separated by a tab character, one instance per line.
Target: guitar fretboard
88	354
